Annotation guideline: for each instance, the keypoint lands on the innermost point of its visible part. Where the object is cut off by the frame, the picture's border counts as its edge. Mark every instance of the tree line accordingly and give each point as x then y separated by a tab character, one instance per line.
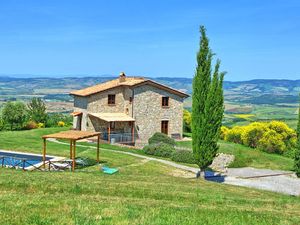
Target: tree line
18	115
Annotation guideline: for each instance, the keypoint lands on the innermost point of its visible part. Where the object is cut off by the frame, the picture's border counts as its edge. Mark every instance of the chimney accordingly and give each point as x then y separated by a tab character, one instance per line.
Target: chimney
122	77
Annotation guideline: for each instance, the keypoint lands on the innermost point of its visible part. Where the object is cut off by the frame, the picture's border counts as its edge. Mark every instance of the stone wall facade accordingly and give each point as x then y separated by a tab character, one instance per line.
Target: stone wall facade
148	112
145	108
80	105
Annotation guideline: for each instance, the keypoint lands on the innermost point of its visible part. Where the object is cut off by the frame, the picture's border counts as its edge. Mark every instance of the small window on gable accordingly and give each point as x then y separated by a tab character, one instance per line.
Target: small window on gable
111	99
165	102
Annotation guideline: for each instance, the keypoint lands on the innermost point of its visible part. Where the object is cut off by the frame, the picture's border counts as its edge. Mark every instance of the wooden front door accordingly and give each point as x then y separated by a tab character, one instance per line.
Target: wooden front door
165	127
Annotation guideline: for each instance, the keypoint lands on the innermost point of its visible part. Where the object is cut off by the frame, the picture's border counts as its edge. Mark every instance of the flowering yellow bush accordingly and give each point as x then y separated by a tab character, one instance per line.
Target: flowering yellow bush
272	142
273	137
41	125
223	132
234	135
61	124
253	133
187	120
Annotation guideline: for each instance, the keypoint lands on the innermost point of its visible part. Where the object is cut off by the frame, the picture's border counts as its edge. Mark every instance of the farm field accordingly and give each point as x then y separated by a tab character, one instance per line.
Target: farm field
243	114
143	192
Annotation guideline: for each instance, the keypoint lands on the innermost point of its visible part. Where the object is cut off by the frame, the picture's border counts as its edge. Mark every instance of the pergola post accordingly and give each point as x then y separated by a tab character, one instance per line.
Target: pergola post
98	147
44	152
73	155
71	149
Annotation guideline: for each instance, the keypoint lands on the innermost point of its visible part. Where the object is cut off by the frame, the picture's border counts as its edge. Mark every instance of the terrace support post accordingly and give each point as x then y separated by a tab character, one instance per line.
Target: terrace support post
98	147
109	132
73	156
132	132
71	149
44	153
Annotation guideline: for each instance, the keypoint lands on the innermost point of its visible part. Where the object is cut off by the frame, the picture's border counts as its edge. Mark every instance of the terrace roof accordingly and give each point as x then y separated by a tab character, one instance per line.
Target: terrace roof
113	117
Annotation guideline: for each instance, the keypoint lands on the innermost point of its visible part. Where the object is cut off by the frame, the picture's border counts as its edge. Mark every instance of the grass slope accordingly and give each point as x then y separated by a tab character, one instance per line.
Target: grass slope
142	193
245	156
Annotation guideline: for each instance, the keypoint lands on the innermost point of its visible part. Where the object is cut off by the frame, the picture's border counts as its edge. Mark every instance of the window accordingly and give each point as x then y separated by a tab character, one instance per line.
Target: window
130	100
165	126
165	102
111	99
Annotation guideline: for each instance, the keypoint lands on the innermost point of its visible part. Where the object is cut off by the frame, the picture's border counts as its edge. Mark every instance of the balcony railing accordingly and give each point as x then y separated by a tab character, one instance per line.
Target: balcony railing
124	138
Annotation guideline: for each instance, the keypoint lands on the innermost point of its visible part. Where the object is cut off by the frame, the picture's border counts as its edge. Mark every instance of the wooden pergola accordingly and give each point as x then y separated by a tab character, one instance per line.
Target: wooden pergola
73	136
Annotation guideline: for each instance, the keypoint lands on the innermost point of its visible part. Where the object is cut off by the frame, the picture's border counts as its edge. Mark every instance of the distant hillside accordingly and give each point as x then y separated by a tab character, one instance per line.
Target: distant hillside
253	91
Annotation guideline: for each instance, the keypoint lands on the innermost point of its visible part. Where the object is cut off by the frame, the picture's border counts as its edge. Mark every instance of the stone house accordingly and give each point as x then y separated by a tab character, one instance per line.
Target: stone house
129	109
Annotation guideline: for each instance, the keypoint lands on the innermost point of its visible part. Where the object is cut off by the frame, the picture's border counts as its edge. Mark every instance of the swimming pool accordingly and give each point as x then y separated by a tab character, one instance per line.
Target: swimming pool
21	160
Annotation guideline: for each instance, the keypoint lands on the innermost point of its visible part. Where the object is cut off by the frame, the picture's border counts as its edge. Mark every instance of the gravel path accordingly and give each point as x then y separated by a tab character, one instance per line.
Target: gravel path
272	180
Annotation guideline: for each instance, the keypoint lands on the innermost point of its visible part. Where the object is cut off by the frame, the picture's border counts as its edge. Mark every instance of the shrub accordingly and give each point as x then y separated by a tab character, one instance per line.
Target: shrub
31	125
161	138
289	135
184	156
223	132
2	124
187	120
253	133
272	142
161	149
61	123
54	118
41	125
234	135
273	137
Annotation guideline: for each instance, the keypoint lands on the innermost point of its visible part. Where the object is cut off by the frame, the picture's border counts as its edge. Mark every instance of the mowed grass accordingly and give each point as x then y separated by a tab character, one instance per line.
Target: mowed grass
249	157
143	192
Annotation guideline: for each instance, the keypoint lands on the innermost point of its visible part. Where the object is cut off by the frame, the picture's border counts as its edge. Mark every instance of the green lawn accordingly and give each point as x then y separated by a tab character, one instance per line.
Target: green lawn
141	193
245	156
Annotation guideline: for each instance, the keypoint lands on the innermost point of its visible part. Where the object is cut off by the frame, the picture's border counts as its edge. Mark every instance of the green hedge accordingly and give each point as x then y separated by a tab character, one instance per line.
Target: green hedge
161	138
161	149
184	156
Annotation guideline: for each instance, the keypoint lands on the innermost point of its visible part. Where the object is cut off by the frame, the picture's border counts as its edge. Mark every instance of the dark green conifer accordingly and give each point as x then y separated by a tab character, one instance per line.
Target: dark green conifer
207	108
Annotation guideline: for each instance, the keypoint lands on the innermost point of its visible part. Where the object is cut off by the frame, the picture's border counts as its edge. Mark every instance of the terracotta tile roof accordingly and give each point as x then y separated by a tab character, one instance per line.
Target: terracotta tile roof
129	81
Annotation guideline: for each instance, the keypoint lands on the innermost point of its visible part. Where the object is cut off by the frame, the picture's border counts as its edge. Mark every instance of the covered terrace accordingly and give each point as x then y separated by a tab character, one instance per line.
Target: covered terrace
113	133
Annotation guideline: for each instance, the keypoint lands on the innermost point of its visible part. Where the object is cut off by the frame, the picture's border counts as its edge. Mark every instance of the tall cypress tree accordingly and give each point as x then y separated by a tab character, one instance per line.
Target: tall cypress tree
207	108
297	152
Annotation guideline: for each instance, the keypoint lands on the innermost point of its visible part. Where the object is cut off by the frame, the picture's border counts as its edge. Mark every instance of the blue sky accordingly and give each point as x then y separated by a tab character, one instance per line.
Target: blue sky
254	38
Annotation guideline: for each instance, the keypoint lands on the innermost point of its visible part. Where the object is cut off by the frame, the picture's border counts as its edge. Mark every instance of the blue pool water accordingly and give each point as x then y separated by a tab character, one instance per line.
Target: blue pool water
12	159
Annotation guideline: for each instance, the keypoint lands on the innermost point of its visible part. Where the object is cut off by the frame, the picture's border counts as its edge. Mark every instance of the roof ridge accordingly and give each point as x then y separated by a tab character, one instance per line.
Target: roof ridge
129	81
